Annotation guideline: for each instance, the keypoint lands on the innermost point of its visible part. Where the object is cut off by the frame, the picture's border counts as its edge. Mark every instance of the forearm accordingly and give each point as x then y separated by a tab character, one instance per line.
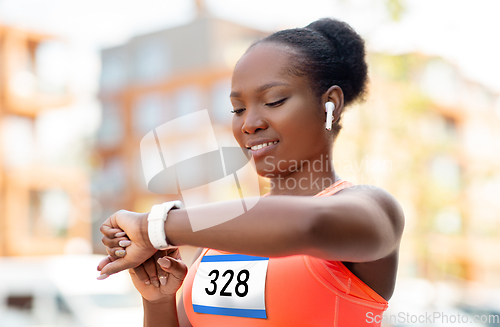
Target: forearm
356	225
162	314
276	226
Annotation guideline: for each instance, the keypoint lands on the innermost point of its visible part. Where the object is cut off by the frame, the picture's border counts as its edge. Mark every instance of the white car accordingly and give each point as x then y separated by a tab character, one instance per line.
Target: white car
63	291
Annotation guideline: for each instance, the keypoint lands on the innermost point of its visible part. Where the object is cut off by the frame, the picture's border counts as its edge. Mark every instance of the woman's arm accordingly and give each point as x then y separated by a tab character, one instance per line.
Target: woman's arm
159	299
359	224
163	312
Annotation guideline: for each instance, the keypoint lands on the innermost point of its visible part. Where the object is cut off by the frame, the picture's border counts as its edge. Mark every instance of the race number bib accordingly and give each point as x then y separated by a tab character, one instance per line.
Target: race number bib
231	285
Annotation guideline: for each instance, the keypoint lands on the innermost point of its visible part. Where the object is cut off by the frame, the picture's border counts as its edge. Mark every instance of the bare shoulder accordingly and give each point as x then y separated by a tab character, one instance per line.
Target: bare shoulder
378	197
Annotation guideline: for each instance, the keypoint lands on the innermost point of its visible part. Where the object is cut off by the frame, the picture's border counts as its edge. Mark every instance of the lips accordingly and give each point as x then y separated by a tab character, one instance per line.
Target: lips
259	141
262	145
260	148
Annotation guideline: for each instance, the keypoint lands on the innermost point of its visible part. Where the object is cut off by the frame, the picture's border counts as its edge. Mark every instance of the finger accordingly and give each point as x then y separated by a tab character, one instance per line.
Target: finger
115	242
175	267
116	253
141	274
162	275
111	232
172	252
176	254
124	243
150	267
103	263
116	265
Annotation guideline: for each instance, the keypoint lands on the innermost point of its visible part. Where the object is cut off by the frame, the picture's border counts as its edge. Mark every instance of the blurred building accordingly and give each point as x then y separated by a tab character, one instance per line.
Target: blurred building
153	79
431	137
43	197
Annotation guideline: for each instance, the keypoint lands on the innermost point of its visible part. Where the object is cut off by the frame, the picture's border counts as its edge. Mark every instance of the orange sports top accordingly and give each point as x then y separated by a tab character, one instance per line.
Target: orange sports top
298	290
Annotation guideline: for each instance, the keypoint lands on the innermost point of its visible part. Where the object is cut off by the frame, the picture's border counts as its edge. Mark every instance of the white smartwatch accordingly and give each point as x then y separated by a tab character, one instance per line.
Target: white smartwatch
156	223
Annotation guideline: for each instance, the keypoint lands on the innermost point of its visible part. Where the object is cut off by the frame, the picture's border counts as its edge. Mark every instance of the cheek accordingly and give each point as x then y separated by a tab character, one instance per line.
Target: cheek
302	132
301	122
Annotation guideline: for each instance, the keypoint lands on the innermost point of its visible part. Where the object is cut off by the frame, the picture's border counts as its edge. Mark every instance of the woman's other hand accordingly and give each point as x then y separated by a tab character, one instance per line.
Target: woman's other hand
159	278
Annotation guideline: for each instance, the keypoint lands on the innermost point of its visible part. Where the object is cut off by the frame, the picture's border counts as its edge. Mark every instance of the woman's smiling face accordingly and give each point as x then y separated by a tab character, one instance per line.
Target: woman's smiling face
278	108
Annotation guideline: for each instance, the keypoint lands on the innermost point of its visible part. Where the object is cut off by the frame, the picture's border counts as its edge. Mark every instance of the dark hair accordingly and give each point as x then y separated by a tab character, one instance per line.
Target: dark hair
329	52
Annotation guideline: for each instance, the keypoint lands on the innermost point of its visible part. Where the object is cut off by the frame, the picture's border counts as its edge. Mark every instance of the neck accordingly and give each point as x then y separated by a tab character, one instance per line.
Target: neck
308	179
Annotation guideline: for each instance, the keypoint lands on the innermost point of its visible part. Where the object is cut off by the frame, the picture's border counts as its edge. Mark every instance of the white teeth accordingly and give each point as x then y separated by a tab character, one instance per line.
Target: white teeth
263	145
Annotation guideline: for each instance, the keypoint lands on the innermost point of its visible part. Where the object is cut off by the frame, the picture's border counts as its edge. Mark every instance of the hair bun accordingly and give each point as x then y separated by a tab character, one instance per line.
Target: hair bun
348	49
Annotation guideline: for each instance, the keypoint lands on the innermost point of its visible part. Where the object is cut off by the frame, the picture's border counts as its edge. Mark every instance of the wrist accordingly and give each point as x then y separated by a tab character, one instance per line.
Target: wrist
174	225
161	302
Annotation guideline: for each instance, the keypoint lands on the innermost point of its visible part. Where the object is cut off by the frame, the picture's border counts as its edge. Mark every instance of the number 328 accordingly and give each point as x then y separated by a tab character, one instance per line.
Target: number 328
242	279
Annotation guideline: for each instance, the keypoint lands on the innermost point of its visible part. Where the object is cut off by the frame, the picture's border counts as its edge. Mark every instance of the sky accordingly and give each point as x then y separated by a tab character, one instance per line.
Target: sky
463	32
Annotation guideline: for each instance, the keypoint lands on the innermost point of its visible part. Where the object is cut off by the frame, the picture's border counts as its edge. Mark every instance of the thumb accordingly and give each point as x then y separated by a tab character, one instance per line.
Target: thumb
164	263
175	267
114	267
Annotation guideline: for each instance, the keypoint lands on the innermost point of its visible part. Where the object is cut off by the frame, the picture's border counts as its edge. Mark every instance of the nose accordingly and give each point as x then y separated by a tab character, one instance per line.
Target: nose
253	121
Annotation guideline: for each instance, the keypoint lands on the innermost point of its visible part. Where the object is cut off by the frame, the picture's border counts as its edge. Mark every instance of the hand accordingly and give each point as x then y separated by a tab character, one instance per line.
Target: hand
160	277
119	238
135	226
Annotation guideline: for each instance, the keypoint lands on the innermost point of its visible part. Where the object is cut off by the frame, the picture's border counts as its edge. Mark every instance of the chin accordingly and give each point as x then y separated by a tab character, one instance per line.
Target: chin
266	173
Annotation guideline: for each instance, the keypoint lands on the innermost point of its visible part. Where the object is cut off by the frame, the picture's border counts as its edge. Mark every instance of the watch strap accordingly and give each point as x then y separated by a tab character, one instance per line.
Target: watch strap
156	223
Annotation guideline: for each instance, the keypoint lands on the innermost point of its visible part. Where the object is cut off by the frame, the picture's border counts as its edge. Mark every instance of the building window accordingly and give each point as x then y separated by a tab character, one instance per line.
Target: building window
112	178
49	212
52	67
497	107
442	129
221	104
23	82
114	70
151	61
20	302
140	181
18	142
450	128
149	112
188	100
448	222
111	131
446	171
441	82
480	141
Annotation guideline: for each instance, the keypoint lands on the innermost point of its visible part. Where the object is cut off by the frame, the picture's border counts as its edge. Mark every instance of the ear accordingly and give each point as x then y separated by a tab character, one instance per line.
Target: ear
334	94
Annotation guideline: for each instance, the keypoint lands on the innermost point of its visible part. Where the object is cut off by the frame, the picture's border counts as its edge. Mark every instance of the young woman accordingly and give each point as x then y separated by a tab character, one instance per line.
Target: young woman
318	251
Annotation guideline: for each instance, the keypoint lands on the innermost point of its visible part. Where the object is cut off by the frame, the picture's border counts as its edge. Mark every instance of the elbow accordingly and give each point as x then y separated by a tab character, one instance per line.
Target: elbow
345	238
311	232
322	236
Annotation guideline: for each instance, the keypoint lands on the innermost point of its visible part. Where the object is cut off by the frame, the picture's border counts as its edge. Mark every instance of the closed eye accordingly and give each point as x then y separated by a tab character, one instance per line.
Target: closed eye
237	111
277	103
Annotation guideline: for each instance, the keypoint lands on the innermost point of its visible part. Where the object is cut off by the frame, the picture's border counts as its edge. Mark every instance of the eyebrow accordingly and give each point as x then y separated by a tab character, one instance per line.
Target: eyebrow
260	89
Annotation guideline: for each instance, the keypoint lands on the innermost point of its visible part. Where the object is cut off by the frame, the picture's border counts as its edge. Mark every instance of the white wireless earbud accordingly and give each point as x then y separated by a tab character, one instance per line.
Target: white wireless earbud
329	107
